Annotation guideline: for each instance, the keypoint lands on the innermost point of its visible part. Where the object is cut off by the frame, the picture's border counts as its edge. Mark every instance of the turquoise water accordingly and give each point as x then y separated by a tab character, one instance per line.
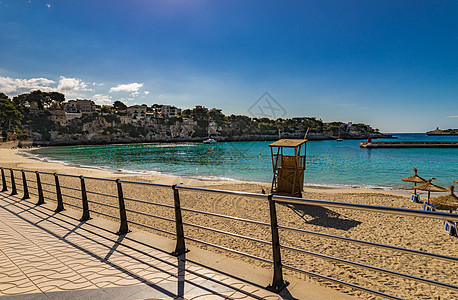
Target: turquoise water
329	163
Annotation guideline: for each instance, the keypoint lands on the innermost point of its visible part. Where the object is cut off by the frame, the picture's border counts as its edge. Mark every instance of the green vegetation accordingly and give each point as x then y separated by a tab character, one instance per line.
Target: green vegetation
10	115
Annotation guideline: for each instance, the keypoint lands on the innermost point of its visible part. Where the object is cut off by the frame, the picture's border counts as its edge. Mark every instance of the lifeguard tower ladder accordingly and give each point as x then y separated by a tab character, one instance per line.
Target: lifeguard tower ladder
288	166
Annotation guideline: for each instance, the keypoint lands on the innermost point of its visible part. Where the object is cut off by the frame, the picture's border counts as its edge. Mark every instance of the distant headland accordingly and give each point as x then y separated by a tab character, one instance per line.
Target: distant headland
443	132
46	119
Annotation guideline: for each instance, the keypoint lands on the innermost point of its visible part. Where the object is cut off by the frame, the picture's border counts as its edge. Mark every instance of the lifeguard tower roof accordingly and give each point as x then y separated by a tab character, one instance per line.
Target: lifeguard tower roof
290	143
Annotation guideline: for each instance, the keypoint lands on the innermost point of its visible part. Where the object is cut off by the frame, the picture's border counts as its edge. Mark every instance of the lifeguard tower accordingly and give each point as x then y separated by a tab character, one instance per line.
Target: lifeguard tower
288	162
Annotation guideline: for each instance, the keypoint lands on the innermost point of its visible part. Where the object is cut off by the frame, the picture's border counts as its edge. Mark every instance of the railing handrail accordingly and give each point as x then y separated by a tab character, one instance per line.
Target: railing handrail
367	207
278	282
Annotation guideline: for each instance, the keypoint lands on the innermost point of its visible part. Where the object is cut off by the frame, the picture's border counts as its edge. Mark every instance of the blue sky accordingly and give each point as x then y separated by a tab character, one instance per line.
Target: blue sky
392	64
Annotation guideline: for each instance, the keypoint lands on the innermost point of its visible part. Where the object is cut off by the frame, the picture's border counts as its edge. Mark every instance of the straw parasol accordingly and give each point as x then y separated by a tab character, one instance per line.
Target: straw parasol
450	200
428	186
415	179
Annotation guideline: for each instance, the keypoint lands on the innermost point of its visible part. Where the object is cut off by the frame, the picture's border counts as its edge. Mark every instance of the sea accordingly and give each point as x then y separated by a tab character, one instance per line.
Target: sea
340	164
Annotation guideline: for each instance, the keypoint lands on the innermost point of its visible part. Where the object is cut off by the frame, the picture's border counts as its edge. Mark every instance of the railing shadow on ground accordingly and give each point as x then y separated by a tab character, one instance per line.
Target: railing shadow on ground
113	245
322	216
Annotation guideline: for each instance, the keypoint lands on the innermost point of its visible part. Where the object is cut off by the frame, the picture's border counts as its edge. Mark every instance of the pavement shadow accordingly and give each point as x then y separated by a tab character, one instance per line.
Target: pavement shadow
97	235
322	216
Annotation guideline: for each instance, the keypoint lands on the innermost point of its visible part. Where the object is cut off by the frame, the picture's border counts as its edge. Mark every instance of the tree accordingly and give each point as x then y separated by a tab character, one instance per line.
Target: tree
9	114
118	105
41	99
56	96
198	113
216	115
186	113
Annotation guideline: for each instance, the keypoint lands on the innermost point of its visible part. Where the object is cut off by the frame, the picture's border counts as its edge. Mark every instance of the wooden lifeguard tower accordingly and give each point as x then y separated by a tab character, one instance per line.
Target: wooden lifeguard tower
288	162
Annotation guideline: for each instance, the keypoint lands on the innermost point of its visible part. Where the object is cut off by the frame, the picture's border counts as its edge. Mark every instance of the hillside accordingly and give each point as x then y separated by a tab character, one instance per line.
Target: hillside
46	119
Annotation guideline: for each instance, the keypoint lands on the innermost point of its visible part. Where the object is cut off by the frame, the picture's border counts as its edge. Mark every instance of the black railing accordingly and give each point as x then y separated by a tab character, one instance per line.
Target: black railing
278	283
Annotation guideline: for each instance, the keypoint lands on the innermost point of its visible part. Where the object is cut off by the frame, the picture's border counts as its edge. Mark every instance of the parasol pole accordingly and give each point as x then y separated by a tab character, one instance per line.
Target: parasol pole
307	132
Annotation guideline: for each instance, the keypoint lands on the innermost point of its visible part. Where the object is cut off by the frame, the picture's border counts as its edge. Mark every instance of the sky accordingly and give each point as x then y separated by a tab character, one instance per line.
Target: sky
390	64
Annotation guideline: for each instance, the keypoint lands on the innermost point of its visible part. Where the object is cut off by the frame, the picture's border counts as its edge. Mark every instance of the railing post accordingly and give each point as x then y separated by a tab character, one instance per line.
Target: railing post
41	199
85	216
180	246
24	184
123	228
60	202
278	284
13	184
5	188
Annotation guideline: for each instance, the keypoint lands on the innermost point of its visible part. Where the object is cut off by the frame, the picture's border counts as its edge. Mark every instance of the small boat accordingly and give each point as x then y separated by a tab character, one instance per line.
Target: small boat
339	139
209	141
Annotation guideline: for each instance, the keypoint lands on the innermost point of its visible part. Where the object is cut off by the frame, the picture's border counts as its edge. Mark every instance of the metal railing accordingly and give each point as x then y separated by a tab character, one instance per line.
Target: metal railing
278	283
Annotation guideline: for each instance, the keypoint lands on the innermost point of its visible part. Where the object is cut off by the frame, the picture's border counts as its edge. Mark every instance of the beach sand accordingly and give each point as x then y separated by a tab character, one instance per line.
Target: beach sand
410	232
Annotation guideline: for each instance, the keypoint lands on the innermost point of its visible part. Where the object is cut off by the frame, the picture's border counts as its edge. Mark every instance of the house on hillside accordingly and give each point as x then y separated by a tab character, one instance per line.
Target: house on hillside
201	107
138	111
86	106
80	106
168	111
71	107
77	108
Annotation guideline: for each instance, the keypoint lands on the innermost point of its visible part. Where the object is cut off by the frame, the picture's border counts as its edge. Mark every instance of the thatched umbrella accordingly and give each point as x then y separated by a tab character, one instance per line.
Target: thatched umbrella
415	179
428	186
450	200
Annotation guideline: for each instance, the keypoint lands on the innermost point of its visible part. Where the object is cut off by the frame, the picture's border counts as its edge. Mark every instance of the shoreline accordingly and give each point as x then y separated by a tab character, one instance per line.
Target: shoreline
353	176
23	157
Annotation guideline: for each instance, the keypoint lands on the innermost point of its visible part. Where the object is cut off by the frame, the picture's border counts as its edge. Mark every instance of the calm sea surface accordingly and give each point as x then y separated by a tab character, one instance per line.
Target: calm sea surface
329	163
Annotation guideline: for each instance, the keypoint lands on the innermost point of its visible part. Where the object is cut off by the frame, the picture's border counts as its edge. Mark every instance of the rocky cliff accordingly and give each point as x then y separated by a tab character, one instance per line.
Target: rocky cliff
98	129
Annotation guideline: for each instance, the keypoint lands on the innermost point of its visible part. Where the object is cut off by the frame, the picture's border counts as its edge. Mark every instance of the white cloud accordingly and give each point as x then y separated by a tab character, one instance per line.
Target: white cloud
453	116
48	5
67	85
16	86
131	87
101	99
72	88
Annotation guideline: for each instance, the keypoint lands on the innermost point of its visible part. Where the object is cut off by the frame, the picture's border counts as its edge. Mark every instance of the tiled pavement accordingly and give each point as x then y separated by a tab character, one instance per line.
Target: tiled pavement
47	255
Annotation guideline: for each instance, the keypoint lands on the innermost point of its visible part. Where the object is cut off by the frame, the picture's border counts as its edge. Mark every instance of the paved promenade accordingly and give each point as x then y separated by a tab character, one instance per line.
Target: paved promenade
45	255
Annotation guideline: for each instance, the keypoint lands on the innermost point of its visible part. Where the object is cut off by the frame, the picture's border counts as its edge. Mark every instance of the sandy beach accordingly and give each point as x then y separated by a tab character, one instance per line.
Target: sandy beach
410	232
